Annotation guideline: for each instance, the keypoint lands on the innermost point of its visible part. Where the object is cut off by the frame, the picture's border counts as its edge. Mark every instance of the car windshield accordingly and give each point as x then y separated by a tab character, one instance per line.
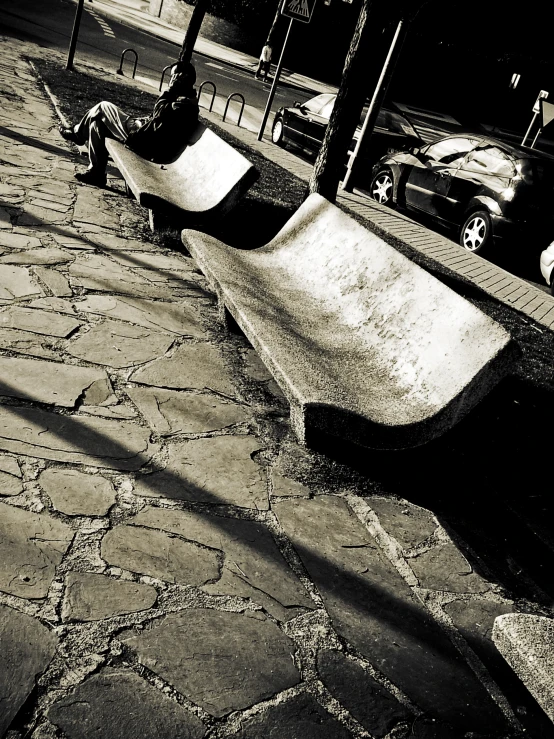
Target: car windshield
316	104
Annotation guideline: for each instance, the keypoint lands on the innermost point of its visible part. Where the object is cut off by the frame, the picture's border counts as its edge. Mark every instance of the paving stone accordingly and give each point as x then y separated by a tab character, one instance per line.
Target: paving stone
55	305
35	215
37	256
5	220
31	547
72	240
120	703
219	470
76	493
369	702
93	597
192	366
409	524
99	272
111	242
445	568
118	411
16	283
298	718
202	654
10	485
18	241
165	266
177	319
54	281
26	649
63	196
74	439
282	486
10	465
24	342
372	607
91	207
160	555
38	321
119	344
169	412
49	382
252	567
49	204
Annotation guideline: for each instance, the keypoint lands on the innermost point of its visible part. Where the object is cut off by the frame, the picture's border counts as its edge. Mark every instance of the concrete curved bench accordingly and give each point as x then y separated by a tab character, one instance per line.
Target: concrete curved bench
365	344
206	180
526	642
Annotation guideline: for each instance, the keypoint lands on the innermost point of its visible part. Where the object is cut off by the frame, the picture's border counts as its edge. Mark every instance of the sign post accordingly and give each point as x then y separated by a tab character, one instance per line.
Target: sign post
547	115
300	10
543	94
74	35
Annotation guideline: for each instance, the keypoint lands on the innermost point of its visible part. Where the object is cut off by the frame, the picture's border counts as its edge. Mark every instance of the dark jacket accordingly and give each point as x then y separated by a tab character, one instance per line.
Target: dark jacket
168	130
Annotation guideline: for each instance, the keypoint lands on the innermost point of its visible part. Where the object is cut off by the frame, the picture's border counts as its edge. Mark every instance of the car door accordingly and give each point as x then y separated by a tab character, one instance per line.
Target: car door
430	180
317	121
301	122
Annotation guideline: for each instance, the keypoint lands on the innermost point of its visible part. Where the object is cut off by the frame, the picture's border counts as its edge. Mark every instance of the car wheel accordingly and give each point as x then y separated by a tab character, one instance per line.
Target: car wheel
277	132
476	233
552	283
382	186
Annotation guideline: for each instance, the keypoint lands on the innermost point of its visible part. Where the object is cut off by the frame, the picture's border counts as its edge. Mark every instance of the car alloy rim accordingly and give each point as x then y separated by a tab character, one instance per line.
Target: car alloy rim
382	189
277	130
475	233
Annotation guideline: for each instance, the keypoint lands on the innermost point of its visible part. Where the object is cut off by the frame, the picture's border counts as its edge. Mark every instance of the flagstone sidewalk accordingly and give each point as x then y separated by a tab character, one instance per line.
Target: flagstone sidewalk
167	566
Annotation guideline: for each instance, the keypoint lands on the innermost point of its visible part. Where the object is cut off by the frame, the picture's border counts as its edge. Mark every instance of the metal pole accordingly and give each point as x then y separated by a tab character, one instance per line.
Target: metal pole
274	85
74	35
372	106
536	137
529	129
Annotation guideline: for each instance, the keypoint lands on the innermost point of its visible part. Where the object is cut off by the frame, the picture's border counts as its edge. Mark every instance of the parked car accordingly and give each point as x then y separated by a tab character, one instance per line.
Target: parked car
303	127
490	191
547	266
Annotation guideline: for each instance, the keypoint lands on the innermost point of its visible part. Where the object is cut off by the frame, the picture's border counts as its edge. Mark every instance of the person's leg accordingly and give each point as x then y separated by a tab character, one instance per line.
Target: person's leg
103	121
260	65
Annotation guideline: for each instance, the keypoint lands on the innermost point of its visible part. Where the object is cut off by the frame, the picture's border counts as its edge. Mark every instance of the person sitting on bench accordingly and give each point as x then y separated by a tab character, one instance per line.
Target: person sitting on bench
160	137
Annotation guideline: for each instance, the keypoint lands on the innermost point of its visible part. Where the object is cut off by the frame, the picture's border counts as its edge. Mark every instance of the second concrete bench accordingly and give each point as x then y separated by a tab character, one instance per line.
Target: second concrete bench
365	344
204	182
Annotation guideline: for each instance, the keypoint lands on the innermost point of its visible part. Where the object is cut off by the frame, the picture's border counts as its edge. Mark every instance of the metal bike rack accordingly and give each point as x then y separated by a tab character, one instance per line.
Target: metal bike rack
238	95
120	70
207	82
163	75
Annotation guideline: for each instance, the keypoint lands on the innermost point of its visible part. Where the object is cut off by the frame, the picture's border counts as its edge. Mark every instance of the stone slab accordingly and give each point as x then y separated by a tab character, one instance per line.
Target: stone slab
111	242
252	566
119	345
10	485
160	555
74	439
169	412
526	642
372	607
444	567
364	343
76	493
10	465
217	470
90	596
173	318
26	649
410	525
120	703
164	266
38	321
202	654
18	241
297	718
55	281
43	256
31	547
48	382
369	702
16	283
191	366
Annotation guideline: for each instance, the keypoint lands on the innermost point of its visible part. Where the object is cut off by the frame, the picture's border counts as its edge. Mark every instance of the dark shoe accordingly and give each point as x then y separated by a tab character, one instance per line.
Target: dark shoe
68	134
90	177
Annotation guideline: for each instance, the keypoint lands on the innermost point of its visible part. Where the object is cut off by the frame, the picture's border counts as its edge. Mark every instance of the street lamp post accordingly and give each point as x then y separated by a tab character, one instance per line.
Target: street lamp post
274	85
74	35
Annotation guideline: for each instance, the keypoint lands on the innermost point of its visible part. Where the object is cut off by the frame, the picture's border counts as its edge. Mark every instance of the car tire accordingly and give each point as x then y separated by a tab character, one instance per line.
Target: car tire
476	233
382	187
277	132
552	283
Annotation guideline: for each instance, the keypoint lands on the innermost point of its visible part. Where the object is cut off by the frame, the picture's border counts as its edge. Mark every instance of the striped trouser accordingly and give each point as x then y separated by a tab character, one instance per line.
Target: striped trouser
103	121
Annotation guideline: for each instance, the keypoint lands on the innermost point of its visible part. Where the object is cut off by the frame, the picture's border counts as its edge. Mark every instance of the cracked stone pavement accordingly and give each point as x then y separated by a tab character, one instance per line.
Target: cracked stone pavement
163	570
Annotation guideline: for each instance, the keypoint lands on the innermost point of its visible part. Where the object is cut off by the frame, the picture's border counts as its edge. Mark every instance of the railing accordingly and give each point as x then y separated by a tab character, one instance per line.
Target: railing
237	95
207	82
163	75
120	70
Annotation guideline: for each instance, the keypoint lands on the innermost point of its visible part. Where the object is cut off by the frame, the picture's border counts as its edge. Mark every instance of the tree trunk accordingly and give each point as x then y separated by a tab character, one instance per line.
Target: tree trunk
273	30
362	68
193	29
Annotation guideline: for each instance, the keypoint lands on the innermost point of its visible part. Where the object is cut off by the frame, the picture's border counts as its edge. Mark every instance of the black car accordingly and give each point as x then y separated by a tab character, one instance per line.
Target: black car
490	191
303	127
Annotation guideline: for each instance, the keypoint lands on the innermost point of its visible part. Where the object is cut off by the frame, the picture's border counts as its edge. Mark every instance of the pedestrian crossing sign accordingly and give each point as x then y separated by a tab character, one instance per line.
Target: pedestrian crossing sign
300	10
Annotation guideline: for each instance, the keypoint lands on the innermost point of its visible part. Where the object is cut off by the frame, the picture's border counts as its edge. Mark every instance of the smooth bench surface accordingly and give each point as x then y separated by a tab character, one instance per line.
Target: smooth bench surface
526	642
206	179
365	344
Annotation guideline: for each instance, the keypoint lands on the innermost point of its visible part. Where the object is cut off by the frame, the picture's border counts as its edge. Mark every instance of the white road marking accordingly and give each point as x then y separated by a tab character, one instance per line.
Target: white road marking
217	66
106	30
